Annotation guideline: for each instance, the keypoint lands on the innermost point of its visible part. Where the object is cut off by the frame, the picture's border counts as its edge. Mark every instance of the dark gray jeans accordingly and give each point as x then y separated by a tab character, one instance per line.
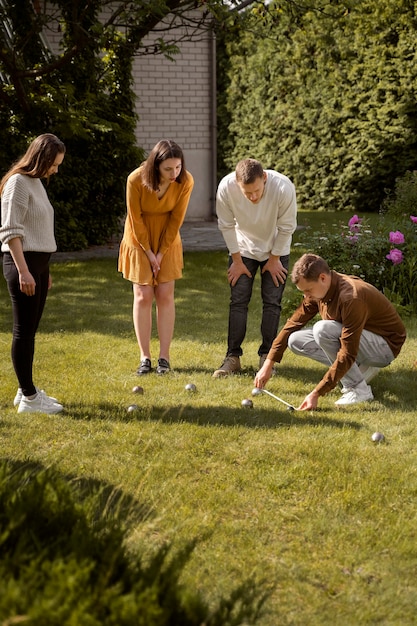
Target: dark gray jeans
240	296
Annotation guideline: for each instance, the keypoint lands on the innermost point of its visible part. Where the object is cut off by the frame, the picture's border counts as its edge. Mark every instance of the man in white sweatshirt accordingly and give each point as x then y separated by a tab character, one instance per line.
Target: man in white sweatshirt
257	215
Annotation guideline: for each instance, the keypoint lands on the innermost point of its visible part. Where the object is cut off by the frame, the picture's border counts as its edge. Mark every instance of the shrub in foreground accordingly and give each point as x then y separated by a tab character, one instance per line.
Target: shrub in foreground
64	561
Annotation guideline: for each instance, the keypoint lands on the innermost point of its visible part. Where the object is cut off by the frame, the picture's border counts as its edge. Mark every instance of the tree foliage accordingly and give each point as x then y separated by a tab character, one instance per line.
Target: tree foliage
327	96
83	93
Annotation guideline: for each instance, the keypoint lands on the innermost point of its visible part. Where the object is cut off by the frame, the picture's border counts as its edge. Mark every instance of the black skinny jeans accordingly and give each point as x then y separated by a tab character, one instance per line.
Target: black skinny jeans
27	313
239	302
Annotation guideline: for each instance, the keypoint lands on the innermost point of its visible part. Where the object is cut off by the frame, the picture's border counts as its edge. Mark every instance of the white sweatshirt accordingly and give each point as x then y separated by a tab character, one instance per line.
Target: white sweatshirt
257	230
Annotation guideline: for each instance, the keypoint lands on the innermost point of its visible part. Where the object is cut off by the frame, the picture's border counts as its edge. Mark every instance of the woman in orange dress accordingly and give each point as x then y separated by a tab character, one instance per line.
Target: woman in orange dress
150	255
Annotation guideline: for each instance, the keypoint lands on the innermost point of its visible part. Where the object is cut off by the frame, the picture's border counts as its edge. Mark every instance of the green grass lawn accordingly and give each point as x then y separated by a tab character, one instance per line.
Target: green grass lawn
305	501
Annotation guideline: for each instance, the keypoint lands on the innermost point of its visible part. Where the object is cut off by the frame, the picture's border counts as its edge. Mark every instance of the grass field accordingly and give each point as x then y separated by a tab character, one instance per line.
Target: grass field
304	501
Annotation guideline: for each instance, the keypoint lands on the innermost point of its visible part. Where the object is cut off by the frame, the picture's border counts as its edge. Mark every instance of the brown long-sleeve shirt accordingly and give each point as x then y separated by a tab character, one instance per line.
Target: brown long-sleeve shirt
357	305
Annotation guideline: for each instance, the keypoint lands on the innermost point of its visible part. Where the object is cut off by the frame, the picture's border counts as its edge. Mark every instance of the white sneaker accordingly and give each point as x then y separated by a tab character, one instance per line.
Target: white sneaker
369	372
19	396
41	403
354	395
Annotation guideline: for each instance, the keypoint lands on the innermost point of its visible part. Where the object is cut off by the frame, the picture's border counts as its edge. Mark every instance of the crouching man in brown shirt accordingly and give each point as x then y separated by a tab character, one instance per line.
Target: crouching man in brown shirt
359	333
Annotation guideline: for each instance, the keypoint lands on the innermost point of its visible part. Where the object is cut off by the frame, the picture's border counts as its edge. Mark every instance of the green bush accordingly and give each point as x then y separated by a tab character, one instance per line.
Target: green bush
326	96
64	561
384	255
88	102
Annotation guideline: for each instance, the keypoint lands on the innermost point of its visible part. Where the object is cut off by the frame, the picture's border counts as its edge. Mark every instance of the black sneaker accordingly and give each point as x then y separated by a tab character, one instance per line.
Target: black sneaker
145	367
163	366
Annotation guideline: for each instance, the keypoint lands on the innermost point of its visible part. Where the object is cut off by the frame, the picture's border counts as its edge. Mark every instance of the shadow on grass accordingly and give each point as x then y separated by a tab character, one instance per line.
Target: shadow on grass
109	499
304	375
256	417
395	389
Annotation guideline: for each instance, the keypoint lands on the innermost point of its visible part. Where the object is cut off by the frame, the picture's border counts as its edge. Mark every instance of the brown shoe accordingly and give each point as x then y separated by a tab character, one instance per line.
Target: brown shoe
262	360
231	365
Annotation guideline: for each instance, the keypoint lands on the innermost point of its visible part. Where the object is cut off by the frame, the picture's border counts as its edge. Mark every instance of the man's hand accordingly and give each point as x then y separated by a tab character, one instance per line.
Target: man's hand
235	271
310	402
264	374
276	269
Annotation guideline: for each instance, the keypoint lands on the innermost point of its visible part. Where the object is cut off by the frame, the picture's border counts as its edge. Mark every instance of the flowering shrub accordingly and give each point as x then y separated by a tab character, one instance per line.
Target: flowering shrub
396	256
396	237
384	255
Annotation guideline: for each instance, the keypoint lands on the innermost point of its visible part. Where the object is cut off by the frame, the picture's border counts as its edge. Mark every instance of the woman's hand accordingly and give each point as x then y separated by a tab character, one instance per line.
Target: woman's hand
154	262
159	260
27	283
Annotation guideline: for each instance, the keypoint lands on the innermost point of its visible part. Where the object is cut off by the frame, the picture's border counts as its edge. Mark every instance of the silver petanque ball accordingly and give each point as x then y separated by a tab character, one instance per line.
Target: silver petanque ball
256	391
132	408
377	437
247	403
190	387
137	389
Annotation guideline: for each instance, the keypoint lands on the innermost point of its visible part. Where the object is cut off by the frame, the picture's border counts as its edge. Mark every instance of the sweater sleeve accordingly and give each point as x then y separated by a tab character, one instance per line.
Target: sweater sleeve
137	231
287	219
27	214
177	214
354	316
226	218
301	316
14	207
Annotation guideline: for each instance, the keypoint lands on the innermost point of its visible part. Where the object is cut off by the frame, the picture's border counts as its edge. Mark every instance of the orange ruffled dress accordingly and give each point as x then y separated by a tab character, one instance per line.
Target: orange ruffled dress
153	224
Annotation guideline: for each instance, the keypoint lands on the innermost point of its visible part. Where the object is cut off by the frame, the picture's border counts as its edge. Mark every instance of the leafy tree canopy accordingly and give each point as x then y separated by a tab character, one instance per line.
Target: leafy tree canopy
83	93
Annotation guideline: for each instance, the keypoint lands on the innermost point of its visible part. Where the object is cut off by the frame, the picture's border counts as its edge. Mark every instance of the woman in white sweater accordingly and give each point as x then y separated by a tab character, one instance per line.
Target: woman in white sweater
27	236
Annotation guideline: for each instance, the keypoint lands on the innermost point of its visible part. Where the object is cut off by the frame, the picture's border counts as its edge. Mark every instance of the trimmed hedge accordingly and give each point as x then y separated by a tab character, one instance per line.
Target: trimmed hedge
327	96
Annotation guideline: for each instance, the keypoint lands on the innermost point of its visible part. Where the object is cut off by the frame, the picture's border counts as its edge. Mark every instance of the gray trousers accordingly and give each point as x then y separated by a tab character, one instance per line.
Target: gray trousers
322	343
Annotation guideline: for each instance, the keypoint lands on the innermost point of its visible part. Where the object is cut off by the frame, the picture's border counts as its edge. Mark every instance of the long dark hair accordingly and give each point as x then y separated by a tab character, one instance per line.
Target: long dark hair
164	149
38	158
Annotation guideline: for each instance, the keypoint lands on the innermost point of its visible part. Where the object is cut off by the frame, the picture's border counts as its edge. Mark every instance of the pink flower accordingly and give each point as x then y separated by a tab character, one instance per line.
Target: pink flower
354	222
352	238
413	218
396	256
396	237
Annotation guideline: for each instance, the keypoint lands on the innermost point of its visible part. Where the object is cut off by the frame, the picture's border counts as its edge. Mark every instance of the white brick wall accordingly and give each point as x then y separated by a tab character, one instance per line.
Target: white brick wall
175	101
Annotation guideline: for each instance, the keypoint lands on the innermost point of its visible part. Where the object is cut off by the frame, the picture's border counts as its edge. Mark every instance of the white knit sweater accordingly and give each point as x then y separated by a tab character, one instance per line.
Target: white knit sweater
27	213
257	230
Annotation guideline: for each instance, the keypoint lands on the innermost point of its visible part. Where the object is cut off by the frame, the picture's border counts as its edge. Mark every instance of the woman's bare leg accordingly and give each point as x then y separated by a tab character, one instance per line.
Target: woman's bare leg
142	317
165	316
